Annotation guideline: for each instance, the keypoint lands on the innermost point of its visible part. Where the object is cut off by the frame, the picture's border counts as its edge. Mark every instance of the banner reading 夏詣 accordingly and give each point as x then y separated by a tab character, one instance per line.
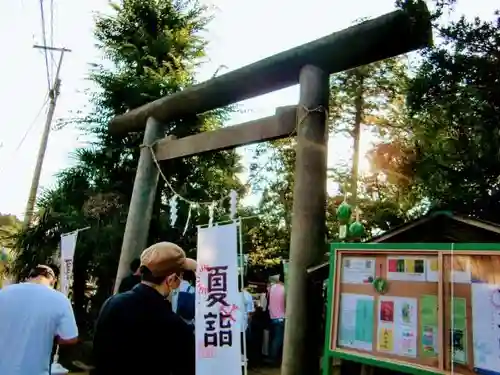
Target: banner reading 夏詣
218	347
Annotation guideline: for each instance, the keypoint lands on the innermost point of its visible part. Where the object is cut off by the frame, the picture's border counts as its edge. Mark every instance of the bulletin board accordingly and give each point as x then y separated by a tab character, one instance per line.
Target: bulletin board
415	308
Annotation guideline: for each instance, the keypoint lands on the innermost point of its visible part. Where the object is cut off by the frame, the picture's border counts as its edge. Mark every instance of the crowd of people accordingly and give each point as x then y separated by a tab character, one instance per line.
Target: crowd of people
146	328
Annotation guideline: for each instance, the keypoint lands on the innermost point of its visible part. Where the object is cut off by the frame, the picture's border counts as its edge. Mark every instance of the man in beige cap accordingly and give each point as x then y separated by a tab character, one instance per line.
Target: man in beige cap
137	332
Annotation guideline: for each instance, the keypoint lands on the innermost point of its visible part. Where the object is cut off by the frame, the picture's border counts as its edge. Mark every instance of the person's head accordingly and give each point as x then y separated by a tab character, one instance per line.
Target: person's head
44	275
162	265
189	276
134	265
275	279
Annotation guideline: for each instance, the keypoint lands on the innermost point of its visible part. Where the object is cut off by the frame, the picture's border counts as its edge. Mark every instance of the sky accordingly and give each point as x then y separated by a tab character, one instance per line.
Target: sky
242	32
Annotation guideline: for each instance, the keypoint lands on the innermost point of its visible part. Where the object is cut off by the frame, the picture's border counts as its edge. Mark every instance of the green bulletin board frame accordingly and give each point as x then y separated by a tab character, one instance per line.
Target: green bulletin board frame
370	359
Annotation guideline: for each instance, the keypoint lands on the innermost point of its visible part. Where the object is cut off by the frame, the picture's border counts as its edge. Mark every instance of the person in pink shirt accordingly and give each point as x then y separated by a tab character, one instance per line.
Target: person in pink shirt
276	307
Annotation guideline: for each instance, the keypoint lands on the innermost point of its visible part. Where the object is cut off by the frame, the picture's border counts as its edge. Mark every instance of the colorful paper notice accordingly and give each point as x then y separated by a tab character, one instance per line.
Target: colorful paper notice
358	270
356	321
458	330
486	327
387	311
386	340
397	326
408	342
406	268
432	269
429	325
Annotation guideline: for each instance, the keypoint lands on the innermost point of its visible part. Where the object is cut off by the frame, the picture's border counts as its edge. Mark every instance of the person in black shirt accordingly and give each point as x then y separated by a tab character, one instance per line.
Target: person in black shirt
133	279
137	332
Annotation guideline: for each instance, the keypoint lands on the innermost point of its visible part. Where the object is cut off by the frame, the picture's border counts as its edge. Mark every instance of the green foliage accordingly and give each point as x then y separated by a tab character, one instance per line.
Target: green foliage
379	87
451	153
9	226
438	7
151	49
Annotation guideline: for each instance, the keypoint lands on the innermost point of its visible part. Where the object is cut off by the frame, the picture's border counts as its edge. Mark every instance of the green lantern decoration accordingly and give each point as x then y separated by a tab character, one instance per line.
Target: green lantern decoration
356	230
380	284
344	212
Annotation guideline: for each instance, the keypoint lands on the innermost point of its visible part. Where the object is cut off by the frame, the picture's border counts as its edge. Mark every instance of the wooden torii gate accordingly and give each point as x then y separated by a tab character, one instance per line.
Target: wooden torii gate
309	65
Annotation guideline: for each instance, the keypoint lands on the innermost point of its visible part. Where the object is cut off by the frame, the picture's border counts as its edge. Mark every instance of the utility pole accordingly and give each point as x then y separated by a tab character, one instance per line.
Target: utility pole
53	95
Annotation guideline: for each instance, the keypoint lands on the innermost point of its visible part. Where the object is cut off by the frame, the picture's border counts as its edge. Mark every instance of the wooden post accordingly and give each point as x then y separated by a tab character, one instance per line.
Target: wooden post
307	243
336	366
141	203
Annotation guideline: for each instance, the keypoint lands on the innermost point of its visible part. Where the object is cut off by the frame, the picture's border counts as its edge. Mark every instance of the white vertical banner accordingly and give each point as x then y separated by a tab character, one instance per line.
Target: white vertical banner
218	345
68	244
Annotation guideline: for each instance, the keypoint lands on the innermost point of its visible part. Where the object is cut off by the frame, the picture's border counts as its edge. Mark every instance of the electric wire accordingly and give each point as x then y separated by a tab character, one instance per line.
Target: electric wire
44	36
32	124
53	62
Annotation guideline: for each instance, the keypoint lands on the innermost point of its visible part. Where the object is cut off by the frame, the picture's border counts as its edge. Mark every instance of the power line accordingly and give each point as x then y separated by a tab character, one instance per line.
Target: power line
46	100
52	37
44	36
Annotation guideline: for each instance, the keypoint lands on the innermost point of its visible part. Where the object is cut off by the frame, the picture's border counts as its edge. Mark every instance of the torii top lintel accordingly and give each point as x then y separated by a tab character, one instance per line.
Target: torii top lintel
386	36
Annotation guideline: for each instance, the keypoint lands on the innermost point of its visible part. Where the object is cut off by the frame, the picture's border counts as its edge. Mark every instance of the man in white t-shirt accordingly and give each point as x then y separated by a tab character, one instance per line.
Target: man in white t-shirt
32	315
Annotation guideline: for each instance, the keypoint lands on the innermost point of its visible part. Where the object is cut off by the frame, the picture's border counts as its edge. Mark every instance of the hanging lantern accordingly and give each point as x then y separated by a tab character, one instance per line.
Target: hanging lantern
356	230
344	212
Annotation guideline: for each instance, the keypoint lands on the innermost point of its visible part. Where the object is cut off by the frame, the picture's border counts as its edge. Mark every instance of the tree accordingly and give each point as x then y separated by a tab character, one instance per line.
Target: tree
365	97
451	154
437	10
9	226
151	48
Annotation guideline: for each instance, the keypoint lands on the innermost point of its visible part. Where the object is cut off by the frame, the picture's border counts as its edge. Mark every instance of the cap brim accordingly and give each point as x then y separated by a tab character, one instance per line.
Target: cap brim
190	264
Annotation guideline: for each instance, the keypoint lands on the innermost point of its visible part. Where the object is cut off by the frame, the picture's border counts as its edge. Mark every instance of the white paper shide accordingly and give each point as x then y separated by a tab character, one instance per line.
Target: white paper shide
218	347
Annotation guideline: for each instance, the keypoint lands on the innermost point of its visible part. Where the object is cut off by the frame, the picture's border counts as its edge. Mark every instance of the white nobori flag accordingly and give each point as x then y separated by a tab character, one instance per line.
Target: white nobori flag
68	244
218	347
